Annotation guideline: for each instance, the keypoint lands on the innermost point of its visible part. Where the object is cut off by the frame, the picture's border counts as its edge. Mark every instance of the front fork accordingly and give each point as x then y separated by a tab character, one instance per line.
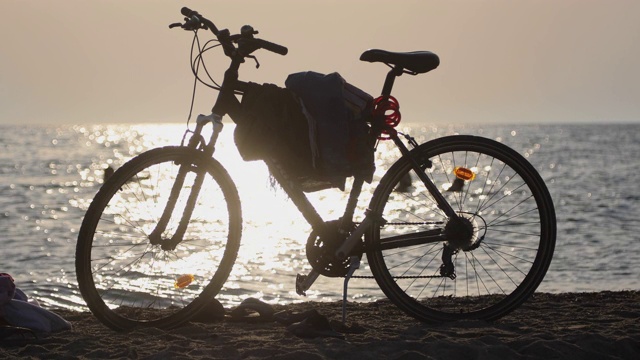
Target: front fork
196	142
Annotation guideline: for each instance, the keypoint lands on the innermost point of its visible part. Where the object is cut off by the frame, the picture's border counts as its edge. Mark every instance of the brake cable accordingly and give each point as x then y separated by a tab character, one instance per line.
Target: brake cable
195	68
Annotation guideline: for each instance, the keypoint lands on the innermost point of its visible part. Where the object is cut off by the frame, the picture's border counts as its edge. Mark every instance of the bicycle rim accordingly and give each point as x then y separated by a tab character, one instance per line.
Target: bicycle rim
125	279
500	196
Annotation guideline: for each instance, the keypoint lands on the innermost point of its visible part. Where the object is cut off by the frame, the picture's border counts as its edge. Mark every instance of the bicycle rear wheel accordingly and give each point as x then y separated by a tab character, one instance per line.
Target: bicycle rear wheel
502	201
125	276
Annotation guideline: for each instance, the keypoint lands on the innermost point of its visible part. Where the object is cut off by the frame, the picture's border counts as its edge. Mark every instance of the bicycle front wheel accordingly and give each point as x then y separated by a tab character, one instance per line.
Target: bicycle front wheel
130	277
435	272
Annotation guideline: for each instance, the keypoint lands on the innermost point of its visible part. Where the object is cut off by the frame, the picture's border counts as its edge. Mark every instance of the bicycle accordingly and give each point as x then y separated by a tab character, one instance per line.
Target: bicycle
469	236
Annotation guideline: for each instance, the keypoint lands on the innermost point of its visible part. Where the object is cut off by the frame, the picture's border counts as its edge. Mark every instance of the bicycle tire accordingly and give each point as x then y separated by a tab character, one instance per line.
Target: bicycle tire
128	282
514	230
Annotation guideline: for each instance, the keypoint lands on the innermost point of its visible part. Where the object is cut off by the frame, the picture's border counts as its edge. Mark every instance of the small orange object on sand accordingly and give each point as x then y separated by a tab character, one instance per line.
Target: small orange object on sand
184	281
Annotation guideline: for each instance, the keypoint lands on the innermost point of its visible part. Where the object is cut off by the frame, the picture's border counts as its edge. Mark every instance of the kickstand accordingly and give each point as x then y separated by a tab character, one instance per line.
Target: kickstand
354	264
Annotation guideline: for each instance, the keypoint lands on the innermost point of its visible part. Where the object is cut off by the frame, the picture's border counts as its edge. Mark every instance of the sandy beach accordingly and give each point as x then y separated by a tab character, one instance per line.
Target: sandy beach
602	325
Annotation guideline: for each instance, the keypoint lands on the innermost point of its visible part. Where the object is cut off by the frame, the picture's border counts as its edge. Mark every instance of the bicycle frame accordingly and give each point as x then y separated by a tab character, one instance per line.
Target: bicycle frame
227	104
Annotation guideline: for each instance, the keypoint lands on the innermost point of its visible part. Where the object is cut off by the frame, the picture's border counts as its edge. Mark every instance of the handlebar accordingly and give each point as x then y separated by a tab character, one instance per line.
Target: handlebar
194	21
278	49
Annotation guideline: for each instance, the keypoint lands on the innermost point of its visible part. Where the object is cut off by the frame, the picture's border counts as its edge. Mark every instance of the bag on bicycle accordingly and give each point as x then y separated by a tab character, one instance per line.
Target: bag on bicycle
314	129
274	128
337	115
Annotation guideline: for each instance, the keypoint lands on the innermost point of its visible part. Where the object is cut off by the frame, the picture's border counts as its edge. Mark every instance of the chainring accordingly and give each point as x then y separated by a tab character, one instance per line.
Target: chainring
321	248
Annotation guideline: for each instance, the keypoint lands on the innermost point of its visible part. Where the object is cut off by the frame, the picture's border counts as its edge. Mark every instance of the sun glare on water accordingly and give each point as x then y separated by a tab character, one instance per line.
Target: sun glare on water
274	232
129	266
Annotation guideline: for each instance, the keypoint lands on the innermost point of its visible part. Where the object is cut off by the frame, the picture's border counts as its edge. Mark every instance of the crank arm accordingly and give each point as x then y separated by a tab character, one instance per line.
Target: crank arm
352	241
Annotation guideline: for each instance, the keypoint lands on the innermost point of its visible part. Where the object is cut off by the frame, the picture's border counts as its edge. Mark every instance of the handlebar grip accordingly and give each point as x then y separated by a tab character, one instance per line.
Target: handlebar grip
267	45
187	12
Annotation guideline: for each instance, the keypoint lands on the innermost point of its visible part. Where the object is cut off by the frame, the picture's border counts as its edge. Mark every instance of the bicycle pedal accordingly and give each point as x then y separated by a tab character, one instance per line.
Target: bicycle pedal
300	280
304	282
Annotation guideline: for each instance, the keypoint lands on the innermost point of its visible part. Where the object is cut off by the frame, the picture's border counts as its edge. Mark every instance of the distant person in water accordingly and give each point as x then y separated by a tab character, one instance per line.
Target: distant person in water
457	186
108	172
404	185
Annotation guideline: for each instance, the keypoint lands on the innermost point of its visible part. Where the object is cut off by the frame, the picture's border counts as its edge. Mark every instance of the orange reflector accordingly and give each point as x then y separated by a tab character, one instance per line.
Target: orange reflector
464	173
184	281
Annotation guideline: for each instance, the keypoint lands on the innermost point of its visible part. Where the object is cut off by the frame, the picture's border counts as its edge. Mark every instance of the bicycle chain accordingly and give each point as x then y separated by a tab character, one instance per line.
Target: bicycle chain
400	277
408	223
415	223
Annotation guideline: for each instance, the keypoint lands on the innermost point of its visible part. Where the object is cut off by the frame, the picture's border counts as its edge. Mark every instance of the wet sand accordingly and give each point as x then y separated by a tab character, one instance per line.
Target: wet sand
603	325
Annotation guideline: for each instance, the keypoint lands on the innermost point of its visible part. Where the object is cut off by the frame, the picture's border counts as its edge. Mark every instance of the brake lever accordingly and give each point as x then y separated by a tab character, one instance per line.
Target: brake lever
254	59
192	23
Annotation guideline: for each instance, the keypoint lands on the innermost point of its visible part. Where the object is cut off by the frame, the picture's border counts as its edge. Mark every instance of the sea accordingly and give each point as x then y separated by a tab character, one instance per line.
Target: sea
48	175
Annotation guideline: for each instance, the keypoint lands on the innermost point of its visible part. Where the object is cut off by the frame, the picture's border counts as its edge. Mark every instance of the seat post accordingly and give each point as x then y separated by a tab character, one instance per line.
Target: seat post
391	77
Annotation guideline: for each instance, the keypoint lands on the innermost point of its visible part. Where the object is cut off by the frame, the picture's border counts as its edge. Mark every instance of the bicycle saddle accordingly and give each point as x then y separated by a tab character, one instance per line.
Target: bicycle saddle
414	61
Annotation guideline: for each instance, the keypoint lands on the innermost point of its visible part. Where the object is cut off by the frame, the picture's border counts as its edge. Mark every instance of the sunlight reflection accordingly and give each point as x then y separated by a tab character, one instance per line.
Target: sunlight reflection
274	235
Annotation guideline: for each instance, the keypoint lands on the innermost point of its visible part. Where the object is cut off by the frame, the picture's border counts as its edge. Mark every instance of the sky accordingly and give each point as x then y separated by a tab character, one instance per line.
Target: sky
504	61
